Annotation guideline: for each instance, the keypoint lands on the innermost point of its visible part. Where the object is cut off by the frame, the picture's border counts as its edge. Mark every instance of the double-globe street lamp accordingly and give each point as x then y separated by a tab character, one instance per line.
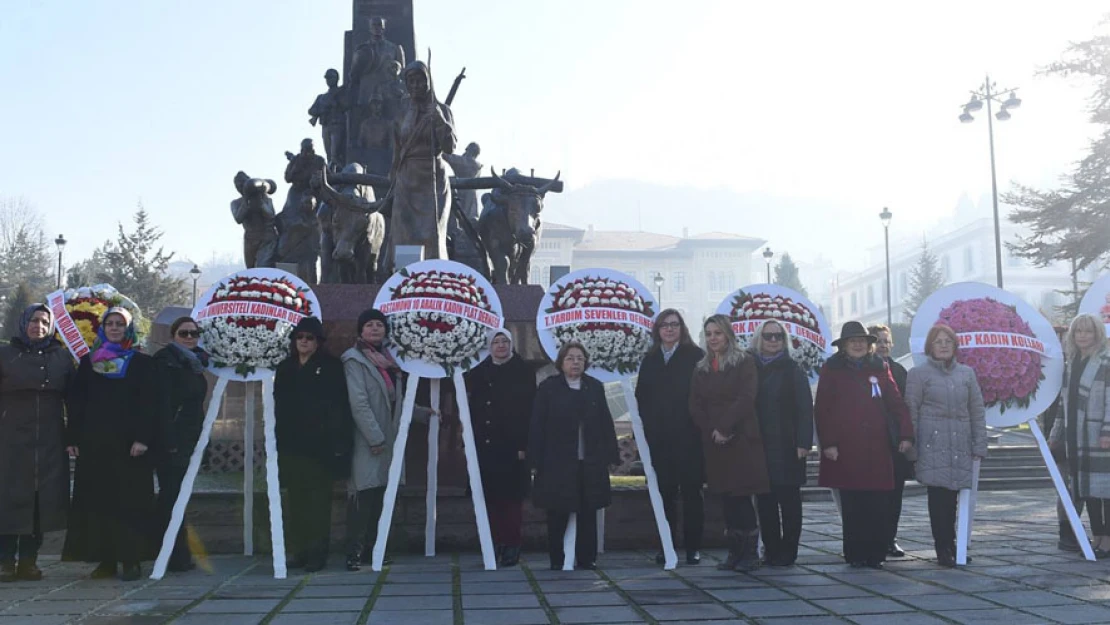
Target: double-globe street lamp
988	92
885	218
767	256
61	243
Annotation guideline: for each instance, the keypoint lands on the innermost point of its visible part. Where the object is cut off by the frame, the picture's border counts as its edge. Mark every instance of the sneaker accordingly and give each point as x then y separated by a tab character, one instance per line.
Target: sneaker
894	551
693	558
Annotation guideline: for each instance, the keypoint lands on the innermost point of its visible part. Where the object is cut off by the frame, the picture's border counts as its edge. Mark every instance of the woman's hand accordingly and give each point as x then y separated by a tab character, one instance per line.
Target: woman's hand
377	450
520	455
832	453
905	446
719	438
802	452
137	449
73	451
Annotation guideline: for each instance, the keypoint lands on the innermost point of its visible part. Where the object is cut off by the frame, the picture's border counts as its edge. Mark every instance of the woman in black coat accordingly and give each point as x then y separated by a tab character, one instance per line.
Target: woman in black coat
314	433
114	418
35	371
784	405
571	444
181	367
501	392
663	395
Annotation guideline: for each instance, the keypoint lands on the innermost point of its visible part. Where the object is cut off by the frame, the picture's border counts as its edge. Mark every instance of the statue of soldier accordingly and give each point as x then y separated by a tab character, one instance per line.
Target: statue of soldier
375	137
330	110
392	92
467	166
370	61
299	237
255	211
299	172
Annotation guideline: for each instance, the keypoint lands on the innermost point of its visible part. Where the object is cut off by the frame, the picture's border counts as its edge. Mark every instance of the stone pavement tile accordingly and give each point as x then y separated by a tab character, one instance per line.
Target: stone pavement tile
125	620
901	619
735	581
946	601
218	619
661	597
1028	598
1001	616
159	591
421	578
801	580
531	616
394	590
143	606
365	577
1049	580
434	602
544	574
862	605
412	617
792	607
731	621
668	583
751	594
313	591
1073	613
582	599
84	593
235	606
688	612
70	606
597	614
1087	593
835	591
502	575
482	602
329	618
636	573
333	604
585	585
34	620
252	592
497	588
979	584
906	587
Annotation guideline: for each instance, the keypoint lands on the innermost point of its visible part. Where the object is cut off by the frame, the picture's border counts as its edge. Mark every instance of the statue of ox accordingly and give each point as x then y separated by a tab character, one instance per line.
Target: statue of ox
352	226
510	226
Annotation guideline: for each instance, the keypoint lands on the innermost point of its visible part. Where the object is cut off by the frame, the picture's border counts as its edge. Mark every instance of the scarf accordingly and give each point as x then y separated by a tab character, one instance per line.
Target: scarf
25	320
111	359
196	357
505	333
769	359
384	362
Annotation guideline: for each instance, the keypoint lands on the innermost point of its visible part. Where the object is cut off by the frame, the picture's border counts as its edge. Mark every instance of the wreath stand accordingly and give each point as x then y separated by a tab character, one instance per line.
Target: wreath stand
273	488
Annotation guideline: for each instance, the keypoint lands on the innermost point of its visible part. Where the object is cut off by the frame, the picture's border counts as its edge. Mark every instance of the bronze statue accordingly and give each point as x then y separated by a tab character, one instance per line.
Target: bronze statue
331	111
392	92
467	166
354	225
369	66
510	225
375	137
299	237
299	172
254	210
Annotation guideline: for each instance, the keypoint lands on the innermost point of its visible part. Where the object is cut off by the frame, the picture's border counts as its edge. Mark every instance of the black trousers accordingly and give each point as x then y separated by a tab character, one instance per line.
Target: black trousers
1099	512
170	476
585	545
866	518
739	513
780	521
26	546
942	515
693	510
308	482
363	511
896	506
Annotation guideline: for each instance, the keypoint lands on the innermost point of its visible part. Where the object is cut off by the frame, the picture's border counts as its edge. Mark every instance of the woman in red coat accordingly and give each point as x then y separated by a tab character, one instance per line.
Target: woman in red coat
861	418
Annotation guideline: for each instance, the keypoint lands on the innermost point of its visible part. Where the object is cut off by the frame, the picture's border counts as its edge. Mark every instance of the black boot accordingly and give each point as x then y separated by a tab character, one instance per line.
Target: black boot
510	556
28	571
735	540
104	570
894	550
7	571
946	555
749	552
693	557
131	572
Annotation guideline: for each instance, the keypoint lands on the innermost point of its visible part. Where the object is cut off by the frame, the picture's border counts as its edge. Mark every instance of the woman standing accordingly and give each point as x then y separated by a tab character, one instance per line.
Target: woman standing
502	390
571	444
722	404
1084	432
784	404
946	405
35	371
312	422
181	365
903	468
663	395
114	419
861	423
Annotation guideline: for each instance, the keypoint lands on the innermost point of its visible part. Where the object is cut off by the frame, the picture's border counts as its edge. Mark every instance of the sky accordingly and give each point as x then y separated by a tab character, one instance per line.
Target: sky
790	112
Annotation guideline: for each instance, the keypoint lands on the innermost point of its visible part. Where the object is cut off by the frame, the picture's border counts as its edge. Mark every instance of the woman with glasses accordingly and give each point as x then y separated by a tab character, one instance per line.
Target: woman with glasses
947	409
181	366
571	443
35	372
312	424
115	417
784	405
903	468
663	395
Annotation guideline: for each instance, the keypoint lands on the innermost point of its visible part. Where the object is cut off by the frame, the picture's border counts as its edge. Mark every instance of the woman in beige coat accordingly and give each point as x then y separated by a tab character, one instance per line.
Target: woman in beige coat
946	405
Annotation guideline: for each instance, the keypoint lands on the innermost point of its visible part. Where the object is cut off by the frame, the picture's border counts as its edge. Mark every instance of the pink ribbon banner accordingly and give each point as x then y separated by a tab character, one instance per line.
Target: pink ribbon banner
595	315
67	328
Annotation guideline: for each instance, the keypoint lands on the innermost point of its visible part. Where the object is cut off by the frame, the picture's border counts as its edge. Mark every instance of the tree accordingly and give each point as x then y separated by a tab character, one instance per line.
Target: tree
25	256
136	266
17	303
90	271
1072	223
925	279
786	274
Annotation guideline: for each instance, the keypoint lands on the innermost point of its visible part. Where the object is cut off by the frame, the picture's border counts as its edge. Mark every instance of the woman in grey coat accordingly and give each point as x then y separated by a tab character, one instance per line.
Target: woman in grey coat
1084	430
946	405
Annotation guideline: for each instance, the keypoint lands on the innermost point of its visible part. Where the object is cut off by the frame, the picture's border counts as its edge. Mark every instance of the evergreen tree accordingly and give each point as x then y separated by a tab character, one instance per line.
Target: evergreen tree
136	266
925	279
786	274
16	304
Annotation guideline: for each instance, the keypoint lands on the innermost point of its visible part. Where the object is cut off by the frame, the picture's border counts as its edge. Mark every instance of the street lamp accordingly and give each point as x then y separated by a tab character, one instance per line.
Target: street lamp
767	256
61	243
195	272
659	280
989	93
885	218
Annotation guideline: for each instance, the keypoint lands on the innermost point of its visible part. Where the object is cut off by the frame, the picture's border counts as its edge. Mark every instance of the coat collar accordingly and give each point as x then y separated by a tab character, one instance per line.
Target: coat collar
871	362
356	355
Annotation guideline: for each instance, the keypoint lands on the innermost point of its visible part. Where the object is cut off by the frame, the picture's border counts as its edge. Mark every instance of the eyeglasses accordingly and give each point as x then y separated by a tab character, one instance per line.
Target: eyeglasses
189	334
670	325
774	336
306	337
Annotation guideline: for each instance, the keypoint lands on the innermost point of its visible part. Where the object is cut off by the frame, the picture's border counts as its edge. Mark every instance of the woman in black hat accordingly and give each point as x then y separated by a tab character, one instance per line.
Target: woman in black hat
313	437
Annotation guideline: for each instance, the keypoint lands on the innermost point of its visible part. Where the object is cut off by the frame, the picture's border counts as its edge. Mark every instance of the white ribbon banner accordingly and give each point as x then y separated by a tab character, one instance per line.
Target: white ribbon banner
749	326
1005	340
575	316
248	309
67	327
449	307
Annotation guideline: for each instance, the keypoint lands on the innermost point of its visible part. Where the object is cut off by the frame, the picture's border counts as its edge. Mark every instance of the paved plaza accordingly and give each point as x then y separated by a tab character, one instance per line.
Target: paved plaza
1017	577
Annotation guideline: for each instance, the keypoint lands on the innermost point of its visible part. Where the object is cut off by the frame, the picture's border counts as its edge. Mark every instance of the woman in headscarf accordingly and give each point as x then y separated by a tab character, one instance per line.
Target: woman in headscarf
312	426
113	422
35	371
501	391
181	366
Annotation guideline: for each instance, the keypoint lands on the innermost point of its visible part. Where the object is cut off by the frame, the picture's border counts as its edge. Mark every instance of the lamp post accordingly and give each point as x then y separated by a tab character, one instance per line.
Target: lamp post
195	272
767	256
659	280
988	92
885	218
61	243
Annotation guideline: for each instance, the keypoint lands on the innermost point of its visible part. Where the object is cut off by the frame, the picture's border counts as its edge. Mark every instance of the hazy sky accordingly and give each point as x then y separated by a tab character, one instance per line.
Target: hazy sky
852	106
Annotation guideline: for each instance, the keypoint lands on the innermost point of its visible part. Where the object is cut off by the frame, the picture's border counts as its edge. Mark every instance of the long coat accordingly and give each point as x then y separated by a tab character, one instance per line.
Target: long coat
501	399
851	419
183	391
563	482
111	489
725	401
784	404
663	395
1089	463
311	411
375	418
946	405
32	437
